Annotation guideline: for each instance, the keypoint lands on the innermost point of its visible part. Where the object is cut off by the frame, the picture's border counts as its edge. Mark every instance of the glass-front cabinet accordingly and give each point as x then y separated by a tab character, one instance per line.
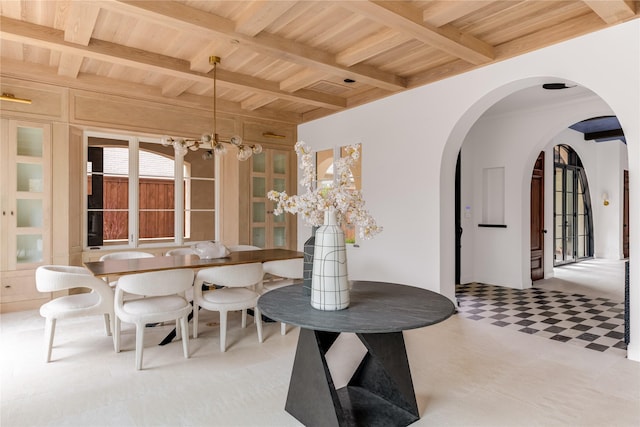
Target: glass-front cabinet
270	170
25	195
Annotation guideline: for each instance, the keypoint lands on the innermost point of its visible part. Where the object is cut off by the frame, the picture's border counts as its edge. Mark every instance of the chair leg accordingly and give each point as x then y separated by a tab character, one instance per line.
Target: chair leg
283	329
223	331
184	323
139	344
258	323
107	324
49	331
196	309
244	318
116	334
178	335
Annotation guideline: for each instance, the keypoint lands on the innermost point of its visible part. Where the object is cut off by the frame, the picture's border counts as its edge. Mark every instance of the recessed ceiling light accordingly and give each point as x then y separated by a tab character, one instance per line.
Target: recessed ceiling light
349	81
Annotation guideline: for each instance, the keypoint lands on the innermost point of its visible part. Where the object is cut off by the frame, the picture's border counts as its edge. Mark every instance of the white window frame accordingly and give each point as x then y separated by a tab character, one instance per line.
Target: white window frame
134	238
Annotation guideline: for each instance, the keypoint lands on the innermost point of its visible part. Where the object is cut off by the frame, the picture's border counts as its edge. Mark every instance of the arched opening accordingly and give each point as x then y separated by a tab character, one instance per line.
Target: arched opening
510	135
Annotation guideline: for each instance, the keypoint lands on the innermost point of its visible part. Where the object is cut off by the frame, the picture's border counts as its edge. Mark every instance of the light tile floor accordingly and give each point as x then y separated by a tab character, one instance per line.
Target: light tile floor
465	373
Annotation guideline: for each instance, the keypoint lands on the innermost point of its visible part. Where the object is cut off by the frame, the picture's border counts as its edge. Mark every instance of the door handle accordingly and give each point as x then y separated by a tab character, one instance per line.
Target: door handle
544	231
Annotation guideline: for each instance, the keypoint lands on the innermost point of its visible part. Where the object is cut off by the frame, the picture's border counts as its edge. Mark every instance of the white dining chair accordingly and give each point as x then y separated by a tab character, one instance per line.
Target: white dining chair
238	248
285	272
123	255
54	278
180	251
238	292
163	300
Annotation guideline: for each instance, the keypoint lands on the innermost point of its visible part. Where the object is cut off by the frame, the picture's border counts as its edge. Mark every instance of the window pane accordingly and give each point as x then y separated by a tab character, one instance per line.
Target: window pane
279	235
29	213
279	184
581	224
259	162
30	142
259	212
258	237
581	205
156	191
202	225
199	197
108	191
259	187
559	225
581	246
279	163
324	168
558	251
29	248
116	226
29	177
279	218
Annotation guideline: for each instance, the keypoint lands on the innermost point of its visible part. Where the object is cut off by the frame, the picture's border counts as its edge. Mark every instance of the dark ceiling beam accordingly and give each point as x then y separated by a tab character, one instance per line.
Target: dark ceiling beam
613	133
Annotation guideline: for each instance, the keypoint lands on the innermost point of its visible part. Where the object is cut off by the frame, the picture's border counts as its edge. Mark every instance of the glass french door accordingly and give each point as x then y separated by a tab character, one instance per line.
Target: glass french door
572	215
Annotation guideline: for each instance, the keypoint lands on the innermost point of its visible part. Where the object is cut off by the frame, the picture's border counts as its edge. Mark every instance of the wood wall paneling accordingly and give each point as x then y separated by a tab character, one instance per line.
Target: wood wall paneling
47	102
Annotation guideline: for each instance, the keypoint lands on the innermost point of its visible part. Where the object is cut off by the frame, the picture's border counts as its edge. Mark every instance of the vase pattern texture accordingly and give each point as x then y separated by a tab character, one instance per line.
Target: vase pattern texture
330	282
307	273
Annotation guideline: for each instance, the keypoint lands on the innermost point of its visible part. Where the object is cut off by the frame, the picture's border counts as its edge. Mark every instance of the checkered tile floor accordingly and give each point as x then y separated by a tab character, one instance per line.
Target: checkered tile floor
593	323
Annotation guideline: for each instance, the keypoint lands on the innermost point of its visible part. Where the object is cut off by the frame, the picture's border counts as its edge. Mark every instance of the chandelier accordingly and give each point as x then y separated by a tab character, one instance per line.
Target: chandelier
213	143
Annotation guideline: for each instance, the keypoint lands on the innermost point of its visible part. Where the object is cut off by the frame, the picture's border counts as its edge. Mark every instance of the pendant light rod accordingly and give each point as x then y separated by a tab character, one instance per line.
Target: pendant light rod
214	60
213	143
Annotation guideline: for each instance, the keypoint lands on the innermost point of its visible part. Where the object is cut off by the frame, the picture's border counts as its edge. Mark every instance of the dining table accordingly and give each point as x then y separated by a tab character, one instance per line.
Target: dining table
113	268
119	267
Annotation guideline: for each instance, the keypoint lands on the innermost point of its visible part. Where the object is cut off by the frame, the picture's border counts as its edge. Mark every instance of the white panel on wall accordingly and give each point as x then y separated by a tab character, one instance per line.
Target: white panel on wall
493	196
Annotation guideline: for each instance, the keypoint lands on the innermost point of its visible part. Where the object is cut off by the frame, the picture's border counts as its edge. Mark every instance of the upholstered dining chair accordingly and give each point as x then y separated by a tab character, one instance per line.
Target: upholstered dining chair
53	278
285	272
124	255
180	251
163	300
238	291
237	248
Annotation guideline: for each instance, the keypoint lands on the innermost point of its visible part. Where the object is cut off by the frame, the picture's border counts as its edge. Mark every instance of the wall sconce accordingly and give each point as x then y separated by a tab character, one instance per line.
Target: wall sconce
12	98
605	198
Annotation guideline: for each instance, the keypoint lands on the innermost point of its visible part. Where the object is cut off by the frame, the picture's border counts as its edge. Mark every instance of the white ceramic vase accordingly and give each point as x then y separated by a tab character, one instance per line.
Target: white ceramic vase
329	282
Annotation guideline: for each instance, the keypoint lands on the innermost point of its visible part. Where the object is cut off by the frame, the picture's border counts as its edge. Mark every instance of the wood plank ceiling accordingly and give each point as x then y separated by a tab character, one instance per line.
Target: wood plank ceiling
289	61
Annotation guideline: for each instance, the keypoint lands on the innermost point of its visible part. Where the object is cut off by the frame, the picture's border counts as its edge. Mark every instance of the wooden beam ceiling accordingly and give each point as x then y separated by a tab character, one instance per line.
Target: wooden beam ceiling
285	60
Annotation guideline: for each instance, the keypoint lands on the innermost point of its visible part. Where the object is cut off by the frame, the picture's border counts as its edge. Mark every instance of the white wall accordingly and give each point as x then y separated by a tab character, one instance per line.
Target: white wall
611	157
411	140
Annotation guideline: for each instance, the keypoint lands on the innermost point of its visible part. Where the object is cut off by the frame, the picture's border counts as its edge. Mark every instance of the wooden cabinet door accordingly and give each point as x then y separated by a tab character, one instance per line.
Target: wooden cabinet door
26	196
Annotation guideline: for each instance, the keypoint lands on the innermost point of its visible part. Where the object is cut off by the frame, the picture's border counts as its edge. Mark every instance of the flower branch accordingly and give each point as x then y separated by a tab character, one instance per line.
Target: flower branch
347	202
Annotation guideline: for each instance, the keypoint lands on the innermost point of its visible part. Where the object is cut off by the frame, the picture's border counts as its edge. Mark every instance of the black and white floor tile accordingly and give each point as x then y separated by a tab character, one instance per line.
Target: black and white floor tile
593	323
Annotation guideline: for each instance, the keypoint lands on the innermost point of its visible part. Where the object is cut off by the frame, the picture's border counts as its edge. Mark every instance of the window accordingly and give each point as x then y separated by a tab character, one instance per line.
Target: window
573	229
139	193
325	178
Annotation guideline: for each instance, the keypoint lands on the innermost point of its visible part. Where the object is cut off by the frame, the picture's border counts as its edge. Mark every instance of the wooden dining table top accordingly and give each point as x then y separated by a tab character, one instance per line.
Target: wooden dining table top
120	267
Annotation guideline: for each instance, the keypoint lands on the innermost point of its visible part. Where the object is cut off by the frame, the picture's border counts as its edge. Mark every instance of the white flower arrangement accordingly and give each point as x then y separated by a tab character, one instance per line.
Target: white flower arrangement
347	202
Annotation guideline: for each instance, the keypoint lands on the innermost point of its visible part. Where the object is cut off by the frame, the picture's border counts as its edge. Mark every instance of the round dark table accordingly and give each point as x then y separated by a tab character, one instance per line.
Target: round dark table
380	392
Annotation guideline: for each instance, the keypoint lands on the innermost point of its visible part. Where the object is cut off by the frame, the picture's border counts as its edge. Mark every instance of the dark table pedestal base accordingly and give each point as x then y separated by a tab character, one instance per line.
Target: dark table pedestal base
380	393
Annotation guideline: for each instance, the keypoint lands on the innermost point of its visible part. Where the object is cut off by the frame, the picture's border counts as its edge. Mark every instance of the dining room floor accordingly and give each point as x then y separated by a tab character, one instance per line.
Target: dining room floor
465	373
